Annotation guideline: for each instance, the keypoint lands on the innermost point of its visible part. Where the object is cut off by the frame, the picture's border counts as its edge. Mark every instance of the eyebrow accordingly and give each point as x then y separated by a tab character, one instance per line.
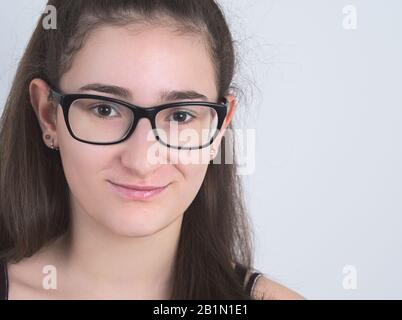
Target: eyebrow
167	95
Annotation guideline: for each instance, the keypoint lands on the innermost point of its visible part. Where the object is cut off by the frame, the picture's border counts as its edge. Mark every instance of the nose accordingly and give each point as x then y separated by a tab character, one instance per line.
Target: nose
138	150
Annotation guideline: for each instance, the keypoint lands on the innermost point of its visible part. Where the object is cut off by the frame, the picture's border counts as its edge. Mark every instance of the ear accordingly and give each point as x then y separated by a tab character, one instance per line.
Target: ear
231	110
231	102
45	110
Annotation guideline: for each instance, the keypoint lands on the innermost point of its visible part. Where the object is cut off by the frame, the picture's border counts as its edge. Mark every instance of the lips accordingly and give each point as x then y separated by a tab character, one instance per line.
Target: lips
138	187
137	192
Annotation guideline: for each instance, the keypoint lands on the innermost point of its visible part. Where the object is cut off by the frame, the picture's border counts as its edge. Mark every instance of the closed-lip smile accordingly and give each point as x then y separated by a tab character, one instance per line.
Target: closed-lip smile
137	192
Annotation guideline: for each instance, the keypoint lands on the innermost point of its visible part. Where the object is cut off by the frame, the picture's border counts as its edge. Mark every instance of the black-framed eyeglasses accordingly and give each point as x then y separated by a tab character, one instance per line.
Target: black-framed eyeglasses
101	120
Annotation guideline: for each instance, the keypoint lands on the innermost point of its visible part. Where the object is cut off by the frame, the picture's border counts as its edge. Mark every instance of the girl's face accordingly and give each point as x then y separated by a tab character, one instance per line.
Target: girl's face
146	63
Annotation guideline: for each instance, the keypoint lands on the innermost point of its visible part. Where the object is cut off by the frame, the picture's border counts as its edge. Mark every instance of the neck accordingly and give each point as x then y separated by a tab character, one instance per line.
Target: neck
139	267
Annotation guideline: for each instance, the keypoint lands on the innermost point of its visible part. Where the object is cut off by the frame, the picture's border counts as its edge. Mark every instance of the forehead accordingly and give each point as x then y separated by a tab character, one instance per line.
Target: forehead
144	60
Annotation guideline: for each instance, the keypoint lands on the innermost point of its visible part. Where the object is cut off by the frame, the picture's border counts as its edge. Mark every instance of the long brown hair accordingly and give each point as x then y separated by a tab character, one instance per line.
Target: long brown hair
34	194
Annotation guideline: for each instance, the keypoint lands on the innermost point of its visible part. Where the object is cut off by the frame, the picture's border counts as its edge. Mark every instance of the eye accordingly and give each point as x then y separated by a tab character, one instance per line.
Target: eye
181	116
103	110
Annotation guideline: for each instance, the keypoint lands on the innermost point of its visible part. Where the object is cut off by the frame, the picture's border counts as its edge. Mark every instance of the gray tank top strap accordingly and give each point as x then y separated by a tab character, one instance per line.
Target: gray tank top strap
242	272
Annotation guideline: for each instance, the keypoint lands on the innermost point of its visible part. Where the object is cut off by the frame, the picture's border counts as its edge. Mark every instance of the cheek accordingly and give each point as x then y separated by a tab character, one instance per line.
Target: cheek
193	175
82	164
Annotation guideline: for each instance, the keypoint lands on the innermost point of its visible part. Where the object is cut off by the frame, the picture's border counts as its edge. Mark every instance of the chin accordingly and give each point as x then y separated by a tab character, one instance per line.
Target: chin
135	225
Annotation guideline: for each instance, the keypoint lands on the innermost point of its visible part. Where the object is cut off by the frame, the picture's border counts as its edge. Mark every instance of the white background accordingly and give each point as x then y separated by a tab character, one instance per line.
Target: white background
326	104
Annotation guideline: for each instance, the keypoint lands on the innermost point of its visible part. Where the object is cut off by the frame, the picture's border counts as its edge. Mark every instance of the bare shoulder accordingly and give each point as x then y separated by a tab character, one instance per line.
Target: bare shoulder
267	289
25	277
